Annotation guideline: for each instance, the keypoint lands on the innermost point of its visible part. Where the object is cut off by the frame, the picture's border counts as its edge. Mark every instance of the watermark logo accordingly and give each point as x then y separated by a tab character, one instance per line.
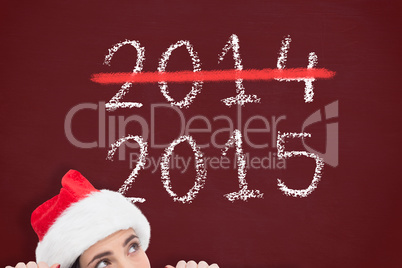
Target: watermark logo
331	154
108	124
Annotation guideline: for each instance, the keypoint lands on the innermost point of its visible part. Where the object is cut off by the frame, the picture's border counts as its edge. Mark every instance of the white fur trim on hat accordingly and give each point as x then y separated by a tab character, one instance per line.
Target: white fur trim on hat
86	222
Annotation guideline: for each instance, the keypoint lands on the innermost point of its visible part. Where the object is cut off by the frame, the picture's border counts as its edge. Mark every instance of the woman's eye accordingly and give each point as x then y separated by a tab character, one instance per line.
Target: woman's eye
102	264
133	247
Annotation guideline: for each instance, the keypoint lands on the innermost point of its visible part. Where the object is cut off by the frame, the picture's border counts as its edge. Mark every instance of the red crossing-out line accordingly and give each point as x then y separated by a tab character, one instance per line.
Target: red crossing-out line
213	75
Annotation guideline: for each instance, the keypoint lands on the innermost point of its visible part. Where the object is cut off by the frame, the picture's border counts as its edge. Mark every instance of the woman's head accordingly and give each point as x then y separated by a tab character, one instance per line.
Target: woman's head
71	222
120	249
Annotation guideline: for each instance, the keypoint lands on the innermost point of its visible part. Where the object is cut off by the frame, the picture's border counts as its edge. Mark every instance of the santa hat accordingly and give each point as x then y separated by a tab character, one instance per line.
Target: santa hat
79	216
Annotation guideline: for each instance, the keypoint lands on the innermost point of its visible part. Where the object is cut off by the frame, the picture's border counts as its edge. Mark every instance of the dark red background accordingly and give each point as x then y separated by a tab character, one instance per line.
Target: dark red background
49	51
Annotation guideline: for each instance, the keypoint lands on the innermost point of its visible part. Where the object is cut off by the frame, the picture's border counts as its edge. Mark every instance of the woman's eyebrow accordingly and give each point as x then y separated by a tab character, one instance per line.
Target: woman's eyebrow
100	255
131	237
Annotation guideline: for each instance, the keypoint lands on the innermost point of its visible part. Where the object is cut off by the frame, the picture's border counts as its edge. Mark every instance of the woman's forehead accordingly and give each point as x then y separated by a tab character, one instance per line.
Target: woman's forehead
116	236
114	241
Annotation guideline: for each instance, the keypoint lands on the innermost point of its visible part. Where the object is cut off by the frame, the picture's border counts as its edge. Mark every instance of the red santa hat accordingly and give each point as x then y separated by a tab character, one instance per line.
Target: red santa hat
79	216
